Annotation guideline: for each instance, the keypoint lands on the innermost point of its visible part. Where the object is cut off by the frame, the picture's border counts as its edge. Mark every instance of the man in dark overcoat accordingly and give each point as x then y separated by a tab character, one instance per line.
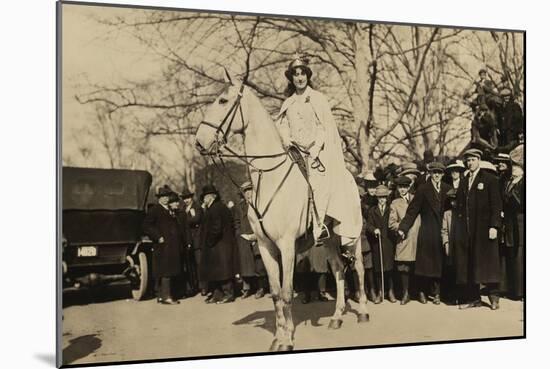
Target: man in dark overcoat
477	256
511	124
249	267
513	203
168	236
378	234
428	203
219	260
193	215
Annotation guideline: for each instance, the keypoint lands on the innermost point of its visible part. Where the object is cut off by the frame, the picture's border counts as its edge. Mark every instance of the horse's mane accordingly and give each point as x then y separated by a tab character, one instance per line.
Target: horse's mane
262	110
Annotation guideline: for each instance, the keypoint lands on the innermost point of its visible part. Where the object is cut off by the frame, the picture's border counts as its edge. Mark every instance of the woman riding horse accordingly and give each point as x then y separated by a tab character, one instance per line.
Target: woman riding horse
278	211
306	121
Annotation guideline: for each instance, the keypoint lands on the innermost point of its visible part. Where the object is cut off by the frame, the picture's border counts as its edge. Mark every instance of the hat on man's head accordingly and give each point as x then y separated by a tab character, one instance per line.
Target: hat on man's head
172	198
436	166
409	168
208	189
402	181
164	191
298	62
368	179
185	194
473	152
482	70
382	191
246	186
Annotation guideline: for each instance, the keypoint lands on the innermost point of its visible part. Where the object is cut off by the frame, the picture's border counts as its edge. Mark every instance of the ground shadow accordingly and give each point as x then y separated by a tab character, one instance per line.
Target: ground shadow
101	294
80	347
302	313
46	358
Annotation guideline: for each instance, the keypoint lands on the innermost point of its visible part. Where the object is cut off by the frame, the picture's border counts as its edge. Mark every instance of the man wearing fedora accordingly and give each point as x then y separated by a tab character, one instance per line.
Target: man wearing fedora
168	236
477	256
306	121
428	203
219	259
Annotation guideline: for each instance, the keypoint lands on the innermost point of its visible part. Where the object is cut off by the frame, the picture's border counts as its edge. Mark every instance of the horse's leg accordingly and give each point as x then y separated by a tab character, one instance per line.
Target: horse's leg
337	268
269	255
363	315
287	248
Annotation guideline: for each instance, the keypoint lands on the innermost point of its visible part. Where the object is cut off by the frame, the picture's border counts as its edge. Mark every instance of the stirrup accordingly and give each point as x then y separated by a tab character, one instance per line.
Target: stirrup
324	235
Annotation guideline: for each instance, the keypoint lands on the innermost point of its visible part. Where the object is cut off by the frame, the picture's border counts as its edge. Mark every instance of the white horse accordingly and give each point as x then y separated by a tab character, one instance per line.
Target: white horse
279	208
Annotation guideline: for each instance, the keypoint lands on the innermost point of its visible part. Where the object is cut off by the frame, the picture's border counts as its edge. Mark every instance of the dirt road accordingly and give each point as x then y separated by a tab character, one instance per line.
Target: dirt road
117	328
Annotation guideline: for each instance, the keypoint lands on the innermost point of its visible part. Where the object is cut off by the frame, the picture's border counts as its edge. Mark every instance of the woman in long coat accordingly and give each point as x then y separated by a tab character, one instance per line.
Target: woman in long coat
428	203
168	235
219	260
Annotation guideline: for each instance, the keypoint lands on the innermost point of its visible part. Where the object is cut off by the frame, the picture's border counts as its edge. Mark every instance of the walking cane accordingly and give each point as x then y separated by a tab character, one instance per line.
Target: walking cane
381	264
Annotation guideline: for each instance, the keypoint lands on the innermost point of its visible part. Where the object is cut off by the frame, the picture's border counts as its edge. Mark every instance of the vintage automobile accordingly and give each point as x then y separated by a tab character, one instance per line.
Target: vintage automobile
103	211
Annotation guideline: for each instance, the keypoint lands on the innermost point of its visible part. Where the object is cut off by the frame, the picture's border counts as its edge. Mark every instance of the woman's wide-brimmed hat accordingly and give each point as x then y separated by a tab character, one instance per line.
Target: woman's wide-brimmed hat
456	166
298	62
483	164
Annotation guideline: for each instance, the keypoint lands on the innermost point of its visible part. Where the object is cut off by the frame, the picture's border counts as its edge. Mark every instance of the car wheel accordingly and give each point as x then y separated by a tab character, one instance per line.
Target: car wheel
139	288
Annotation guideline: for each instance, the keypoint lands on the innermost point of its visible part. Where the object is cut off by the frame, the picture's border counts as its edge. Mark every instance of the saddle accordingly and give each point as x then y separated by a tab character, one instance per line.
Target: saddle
296	156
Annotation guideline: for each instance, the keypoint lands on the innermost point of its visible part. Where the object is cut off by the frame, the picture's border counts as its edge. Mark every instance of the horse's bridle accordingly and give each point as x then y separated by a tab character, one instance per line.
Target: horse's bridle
221	143
229	117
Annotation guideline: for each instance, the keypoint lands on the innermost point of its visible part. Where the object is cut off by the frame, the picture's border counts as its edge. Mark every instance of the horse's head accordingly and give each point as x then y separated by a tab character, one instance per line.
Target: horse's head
223	118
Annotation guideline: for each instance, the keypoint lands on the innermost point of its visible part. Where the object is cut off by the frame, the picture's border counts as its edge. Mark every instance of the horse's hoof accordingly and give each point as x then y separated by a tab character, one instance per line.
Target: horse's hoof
363	318
335	324
285	348
274	345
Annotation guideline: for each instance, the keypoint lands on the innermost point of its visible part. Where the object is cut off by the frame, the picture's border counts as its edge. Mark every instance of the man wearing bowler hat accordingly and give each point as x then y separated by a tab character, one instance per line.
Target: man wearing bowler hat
168	235
477	256
219	262
193	212
428	203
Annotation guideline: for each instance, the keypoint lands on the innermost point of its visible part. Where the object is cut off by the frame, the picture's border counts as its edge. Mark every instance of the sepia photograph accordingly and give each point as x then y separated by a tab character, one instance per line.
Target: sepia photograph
232	183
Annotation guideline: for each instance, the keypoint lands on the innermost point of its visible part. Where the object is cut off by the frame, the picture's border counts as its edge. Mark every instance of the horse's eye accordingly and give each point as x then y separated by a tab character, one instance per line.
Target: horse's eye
222	101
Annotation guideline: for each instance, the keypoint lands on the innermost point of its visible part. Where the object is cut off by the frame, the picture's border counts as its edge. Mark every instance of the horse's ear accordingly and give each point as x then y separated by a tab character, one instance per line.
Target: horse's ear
227	76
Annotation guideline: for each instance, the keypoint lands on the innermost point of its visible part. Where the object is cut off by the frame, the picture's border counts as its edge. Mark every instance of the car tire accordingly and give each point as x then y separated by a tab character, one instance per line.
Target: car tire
140	289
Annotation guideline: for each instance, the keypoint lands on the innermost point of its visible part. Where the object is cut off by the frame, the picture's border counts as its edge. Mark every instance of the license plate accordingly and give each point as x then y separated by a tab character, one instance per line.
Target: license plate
87	251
